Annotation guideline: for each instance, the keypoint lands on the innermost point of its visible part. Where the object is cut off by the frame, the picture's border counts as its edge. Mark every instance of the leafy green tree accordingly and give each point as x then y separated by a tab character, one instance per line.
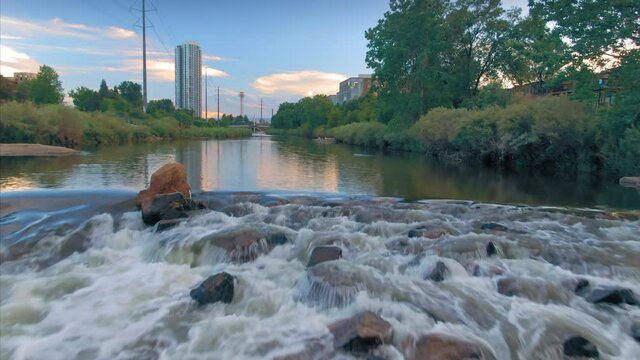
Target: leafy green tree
46	88
534	52
7	90
160	107
85	99
132	93
595	27
104	91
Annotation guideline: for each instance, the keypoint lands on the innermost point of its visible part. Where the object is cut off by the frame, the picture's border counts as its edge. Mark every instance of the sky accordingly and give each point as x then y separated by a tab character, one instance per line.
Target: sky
275	50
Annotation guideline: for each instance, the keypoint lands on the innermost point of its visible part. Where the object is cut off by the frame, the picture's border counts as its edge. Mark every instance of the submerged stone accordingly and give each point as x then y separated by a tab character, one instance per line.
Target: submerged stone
242	244
168	224
324	253
578	346
611	295
491	249
438	347
635	331
438	273
581	286
361	333
218	287
493	227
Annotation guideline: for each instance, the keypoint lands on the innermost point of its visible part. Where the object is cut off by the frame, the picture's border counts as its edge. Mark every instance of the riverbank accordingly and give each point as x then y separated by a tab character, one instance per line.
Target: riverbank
35	150
65	126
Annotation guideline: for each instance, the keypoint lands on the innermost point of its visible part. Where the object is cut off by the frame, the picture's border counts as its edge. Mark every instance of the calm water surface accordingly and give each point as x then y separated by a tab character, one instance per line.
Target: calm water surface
261	164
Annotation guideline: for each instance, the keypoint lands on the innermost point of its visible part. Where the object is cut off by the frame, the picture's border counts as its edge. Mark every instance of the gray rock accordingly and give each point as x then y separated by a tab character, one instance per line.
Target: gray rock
361	333
324	253
578	346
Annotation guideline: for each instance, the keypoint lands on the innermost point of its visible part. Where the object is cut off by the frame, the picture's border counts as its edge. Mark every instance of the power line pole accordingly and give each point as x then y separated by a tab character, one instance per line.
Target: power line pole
144	58
260	110
206	97
241	102
218	103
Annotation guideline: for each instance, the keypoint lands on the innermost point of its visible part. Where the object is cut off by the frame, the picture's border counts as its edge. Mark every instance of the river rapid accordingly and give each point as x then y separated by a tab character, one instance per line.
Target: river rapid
500	277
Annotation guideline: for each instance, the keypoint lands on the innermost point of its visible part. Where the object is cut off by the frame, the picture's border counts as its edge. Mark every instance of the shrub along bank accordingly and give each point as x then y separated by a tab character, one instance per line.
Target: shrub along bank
56	124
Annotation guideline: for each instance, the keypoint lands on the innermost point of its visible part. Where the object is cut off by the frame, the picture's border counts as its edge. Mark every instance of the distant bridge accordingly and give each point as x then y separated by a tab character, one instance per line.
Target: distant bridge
255	127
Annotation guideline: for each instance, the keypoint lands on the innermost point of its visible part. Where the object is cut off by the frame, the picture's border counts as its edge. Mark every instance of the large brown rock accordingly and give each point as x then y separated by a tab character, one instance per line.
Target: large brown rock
361	333
170	178
441	347
324	253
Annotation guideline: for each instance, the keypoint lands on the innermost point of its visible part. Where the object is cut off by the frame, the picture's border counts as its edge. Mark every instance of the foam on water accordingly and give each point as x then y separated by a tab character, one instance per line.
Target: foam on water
127	295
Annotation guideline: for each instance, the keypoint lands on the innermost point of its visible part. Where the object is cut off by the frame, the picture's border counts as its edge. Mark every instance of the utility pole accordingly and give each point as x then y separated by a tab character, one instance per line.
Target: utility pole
261	110
241	102
218	103
206	97
144	58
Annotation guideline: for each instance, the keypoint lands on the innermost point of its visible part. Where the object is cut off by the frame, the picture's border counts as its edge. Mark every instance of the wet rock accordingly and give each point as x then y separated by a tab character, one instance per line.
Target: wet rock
361	333
216	288
243	244
330	284
168	224
170	178
580	347
425	232
438	347
438	273
611	295
491	249
486	269
79	240
493	227
324	253
635	331
158	206
581	286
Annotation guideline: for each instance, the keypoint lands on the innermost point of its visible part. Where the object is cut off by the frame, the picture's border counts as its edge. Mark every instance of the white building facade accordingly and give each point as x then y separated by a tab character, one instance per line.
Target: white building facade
189	77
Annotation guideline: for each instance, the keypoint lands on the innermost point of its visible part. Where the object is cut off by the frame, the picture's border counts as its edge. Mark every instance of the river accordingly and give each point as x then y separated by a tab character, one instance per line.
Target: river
500	266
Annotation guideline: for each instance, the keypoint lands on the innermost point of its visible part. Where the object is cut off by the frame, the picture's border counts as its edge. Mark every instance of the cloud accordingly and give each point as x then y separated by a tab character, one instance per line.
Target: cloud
211	57
115	32
14	61
213	72
60	28
303	83
10	37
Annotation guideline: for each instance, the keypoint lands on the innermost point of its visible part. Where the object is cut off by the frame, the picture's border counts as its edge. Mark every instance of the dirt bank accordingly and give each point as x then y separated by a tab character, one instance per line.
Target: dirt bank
35	150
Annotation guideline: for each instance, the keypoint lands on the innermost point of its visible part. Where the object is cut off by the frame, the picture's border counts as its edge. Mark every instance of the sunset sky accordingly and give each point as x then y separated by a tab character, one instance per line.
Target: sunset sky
277	50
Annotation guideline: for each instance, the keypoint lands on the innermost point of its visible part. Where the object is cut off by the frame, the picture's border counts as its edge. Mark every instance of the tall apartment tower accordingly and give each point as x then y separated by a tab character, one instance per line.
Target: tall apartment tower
189	77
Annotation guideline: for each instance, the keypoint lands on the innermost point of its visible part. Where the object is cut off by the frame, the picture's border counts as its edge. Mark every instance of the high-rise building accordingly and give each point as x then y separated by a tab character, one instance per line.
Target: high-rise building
353	88
189	77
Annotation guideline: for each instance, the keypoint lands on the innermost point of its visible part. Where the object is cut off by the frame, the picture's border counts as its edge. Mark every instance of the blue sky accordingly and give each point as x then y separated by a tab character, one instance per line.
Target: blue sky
278	50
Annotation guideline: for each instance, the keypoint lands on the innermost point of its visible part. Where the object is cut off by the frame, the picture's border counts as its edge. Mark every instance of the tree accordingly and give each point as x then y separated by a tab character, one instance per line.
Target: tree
132	93
407	51
595	27
160	107
46	88
534	52
104	90
7	88
85	99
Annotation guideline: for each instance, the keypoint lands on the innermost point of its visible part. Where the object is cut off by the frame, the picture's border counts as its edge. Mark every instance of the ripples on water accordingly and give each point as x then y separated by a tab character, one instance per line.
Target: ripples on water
126	297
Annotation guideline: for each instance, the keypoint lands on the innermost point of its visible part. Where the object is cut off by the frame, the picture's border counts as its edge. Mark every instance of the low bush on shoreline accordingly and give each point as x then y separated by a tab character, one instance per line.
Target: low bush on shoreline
56	124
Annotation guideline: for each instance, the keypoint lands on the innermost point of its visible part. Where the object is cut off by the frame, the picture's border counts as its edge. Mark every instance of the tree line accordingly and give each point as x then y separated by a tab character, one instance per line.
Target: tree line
456	59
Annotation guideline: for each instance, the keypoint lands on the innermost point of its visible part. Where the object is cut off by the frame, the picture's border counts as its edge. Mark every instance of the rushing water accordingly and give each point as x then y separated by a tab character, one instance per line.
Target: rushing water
508	286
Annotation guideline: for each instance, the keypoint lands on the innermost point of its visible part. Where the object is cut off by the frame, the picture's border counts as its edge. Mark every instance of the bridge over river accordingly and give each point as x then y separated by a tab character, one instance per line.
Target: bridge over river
255	127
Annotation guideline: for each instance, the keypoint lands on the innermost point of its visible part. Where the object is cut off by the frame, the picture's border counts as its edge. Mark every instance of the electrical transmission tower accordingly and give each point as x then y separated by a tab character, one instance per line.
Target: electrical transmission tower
241	103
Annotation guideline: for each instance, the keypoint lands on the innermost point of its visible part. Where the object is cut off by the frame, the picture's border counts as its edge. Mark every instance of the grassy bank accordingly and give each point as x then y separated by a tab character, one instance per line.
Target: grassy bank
57	124
554	135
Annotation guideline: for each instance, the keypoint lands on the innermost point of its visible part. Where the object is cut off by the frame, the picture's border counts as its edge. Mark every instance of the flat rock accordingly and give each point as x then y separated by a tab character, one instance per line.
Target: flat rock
630	181
216	288
361	333
442	347
324	253
580	347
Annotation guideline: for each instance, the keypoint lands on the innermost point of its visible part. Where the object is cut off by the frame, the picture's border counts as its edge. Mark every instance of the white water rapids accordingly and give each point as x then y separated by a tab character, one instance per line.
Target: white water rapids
127	295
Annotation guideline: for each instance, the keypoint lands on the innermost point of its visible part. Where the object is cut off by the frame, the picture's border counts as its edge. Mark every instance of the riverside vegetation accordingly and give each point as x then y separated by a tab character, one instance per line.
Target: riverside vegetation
441	73
34	113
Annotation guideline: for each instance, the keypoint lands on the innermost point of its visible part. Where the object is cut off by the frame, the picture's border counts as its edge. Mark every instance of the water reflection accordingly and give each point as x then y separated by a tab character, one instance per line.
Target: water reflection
299	165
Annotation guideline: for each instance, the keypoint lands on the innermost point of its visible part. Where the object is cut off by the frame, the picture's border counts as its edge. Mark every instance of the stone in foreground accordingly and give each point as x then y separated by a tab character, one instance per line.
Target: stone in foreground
170	178
580	347
438	347
216	288
324	253
361	333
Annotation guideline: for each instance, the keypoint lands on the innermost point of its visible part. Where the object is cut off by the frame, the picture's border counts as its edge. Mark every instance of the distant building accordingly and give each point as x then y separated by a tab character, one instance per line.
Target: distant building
23	76
334	99
353	88
189	77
